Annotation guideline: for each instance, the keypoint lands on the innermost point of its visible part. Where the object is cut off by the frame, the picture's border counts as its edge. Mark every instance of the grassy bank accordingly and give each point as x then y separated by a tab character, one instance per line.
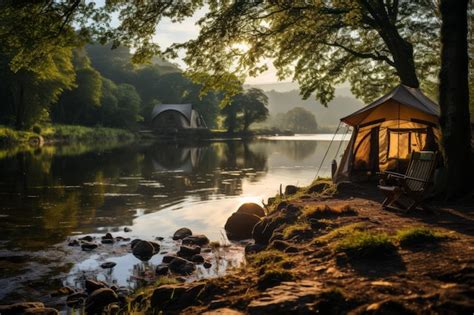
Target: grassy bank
333	250
62	134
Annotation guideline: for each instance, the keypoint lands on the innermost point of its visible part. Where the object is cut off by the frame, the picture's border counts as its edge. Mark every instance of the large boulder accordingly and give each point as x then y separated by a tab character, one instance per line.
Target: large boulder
199	240
99	299
144	250
240	225
251	208
181	266
182	233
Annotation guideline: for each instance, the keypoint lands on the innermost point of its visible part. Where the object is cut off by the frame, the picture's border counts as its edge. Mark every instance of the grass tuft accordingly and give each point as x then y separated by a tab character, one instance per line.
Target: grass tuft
273	277
296	229
419	235
326	211
267	257
366	244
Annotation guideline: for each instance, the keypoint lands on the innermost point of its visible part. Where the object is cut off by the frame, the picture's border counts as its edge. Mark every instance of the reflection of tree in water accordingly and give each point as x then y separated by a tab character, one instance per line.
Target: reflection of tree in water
46	192
54	194
204	170
296	150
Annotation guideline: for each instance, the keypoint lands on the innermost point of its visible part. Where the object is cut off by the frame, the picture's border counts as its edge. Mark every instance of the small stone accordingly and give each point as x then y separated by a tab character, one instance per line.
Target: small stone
99	299
107	241
86	238
76	299
181	266
74	243
107	236
168	258
162	269
20	308
108	265
159	238
182	233
126	229
63	291
144	250
199	239
188	251
92	285
88	246
207	265
291	190
198	259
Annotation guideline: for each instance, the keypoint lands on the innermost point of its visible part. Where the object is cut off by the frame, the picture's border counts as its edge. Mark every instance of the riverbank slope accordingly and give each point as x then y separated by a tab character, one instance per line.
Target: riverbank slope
333	250
63	134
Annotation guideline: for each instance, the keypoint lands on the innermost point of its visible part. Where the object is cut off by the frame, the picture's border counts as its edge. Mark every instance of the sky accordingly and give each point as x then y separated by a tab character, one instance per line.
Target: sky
168	33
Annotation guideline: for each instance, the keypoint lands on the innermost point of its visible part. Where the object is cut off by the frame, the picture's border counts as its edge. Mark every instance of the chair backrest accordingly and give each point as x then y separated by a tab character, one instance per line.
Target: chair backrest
421	166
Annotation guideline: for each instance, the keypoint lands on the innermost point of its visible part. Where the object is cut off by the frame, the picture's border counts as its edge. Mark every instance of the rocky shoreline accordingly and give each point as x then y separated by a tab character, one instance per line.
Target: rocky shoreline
321	249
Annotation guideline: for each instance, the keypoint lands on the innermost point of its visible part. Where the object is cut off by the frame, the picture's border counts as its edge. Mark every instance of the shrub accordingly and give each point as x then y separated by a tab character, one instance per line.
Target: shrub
418	235
36	129
366	244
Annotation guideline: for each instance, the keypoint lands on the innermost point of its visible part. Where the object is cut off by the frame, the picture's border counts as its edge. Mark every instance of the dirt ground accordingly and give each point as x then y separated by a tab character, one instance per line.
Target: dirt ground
422	278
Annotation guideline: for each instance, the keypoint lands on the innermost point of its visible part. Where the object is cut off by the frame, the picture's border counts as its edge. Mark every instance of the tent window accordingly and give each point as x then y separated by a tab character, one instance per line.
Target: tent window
402	142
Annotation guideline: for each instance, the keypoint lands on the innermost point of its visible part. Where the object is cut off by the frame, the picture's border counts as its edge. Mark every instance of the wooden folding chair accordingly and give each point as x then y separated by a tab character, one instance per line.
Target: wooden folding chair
407	191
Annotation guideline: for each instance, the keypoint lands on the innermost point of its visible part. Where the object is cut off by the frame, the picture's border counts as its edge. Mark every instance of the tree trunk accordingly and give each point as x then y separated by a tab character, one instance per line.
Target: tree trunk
402	54
454	97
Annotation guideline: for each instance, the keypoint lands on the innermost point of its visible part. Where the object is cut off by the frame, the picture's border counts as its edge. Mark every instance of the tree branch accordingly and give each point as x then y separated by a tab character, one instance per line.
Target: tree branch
365	55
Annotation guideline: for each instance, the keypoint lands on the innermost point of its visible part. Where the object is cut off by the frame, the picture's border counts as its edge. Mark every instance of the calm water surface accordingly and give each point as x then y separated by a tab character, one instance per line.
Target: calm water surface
54	194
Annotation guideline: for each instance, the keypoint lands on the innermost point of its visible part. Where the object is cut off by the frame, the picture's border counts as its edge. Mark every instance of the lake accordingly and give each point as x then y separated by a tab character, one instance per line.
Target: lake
58	193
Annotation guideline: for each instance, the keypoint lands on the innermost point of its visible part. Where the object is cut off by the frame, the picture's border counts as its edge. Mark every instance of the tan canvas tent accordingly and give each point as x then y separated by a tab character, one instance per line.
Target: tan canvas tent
386	131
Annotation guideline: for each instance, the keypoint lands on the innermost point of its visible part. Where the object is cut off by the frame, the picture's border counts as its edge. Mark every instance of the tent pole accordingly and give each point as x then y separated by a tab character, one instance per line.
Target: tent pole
325	154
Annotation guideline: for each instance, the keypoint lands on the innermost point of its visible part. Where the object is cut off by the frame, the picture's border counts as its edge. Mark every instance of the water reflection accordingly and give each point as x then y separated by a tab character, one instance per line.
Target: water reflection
51	194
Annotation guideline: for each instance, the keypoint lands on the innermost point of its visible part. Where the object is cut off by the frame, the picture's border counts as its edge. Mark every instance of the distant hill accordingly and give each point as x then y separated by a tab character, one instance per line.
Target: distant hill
281	102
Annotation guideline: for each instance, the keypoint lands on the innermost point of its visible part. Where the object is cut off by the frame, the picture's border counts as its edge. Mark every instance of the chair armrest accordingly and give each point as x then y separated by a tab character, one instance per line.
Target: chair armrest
394	174
417	179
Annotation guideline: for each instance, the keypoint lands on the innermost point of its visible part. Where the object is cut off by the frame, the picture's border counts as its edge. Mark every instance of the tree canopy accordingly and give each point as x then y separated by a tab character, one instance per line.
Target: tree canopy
370	43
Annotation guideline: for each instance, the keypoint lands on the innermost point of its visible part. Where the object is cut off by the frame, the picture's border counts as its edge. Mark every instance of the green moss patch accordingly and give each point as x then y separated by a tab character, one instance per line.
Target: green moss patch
418	235
273	277
366	244
326	212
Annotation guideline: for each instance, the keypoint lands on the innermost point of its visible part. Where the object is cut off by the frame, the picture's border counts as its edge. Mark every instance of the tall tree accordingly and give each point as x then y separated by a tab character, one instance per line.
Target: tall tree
454	96
245	108
298	120
79	105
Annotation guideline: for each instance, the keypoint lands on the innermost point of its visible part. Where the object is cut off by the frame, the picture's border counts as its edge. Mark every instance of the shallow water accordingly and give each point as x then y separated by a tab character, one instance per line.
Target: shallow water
54	194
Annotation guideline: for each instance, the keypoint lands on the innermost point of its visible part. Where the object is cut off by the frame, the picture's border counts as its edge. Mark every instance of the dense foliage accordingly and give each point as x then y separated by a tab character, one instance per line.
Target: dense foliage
297	120
245	108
